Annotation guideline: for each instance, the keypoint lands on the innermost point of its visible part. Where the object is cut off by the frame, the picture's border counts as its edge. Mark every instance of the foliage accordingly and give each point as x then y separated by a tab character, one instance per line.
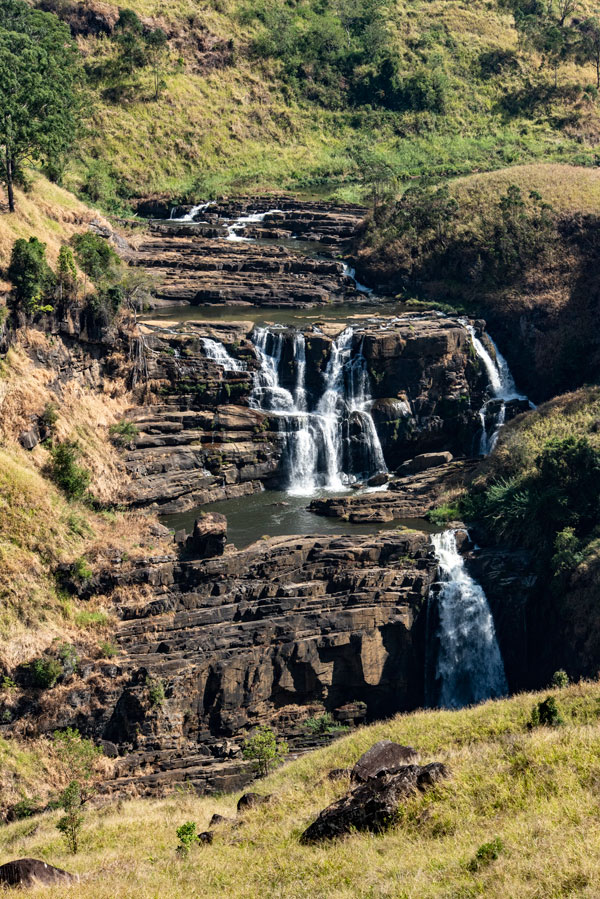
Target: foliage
108	650
443	514
95	255
30	275
264	749
124	431
186	834
546	713
81	570
560	679
72	478
39	71
323	725
72	821
66	273
486	854
156	692
49	417
45	672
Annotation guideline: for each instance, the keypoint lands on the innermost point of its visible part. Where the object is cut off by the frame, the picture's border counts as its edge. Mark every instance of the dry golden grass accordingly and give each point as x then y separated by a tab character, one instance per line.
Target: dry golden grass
46	211
567	188
535	791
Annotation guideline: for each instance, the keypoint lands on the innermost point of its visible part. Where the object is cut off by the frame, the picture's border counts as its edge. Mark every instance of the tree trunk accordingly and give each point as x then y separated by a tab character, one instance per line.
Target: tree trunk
598	72
10	169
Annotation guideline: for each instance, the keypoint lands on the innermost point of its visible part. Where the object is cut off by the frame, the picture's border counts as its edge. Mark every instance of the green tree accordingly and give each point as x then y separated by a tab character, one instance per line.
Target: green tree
129	37
156	44
587	49
30	274
72	478
39	74
265	750
66	273
95	256
78	758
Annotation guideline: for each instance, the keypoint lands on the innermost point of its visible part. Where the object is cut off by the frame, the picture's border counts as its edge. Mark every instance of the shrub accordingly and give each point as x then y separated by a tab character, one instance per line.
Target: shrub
72	479
322	725
70	824
264	750
124	431
94	254
156	692
30	275
560	678
69	658
48	418
486	854
108	650
81	570
546	714
186	834
45	672
443	514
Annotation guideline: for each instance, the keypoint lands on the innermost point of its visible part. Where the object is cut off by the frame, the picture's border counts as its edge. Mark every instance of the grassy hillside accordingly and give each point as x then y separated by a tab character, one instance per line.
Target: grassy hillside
533	794
264	116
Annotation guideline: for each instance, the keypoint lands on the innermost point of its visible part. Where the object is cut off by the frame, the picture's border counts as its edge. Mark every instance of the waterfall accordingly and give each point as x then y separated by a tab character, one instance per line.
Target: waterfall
502	387
468	667
328	442
240	224
190	217
351	273
217	353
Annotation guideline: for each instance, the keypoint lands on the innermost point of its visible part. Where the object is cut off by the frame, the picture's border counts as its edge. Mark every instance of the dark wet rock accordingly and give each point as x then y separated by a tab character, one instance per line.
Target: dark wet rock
378	480
381	757
423	462
251	800
28	872
373	805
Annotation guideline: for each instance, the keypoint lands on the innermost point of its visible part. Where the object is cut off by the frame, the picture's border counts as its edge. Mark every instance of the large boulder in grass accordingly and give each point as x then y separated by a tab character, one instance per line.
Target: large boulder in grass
373	805
29	872
383	756
251	800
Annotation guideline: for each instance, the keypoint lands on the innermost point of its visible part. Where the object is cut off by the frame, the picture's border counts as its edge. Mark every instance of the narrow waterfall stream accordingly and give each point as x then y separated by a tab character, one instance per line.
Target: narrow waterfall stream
215	351
330	441
503	390
468	664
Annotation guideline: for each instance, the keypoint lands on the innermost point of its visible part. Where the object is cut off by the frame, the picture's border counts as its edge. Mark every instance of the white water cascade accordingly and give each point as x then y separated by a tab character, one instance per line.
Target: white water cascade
502	387
215	351
190	217
468	666
332	441
233	229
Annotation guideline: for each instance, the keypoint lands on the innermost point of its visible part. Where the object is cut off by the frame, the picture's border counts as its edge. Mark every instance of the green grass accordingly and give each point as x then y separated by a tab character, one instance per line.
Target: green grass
243	129
517	817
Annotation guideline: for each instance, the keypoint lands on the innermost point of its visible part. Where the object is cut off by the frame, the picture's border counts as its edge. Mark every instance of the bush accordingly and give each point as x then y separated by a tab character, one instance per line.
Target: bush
30	275
124	432
486	854
186	834
546	714
264	750
80	570
72	479
560	678
70	824
95	255
443	514
108	650
156	692
45	672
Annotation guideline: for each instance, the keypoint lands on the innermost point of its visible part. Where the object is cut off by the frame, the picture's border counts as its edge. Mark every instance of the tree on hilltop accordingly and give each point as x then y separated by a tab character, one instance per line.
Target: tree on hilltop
39	73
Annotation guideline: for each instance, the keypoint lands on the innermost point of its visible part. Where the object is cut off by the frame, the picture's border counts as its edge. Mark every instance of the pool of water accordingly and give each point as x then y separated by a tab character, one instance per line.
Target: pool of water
276	514
299	317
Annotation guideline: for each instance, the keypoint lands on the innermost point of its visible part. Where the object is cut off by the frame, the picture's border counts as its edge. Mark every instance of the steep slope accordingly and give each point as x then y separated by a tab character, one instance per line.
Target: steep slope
516	817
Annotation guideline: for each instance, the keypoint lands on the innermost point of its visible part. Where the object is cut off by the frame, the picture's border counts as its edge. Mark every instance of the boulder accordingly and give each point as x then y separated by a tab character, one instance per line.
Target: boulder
423	462
250	800
381	757
209	536
378	480
206	837
217	820
373	805
29	439
28	872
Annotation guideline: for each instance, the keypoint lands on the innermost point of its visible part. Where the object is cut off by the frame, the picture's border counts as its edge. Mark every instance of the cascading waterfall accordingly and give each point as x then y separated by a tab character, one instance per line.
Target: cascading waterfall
502	387
190	217
350	272
468	666
233	230
215	350
331	444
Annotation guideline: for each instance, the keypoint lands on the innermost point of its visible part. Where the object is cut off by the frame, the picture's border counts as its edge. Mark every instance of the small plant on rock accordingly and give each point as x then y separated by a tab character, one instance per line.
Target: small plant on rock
45	672
156	692
265	750
124	432
323	725
186	834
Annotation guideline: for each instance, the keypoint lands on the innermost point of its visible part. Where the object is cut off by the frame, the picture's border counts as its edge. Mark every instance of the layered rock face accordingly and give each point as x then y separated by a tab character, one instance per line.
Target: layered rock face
256	636
200	439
